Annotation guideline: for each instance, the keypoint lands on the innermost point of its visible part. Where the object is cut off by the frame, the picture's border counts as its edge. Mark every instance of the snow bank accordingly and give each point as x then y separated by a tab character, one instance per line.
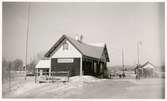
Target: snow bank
74	82
79	81
84	79
31	88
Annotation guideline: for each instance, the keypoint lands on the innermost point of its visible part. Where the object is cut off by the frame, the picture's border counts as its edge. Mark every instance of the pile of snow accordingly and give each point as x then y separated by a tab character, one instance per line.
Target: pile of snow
84	79
30	87
74	82
97	44
79	81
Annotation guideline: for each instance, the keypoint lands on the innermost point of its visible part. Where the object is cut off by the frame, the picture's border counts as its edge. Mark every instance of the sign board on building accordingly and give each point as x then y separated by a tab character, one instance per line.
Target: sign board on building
65	60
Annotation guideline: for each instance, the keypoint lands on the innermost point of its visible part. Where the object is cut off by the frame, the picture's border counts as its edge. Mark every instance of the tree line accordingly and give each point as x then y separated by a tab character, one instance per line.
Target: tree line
18	65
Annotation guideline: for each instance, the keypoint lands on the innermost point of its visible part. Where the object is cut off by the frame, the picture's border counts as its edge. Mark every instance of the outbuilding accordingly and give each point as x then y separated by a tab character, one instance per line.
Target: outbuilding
148	69
77	57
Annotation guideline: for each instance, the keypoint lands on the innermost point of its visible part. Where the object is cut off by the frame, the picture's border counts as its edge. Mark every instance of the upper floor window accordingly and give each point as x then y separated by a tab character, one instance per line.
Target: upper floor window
65	46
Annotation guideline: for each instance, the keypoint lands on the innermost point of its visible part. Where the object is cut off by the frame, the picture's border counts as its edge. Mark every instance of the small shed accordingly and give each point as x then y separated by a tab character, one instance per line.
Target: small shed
43	67
148	69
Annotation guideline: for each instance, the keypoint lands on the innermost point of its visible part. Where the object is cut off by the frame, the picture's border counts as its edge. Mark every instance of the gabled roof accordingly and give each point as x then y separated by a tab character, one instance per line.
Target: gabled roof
83	48
147	64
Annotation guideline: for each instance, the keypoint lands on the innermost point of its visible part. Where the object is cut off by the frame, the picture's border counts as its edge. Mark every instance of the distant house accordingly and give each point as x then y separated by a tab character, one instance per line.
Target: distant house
148	69
79	58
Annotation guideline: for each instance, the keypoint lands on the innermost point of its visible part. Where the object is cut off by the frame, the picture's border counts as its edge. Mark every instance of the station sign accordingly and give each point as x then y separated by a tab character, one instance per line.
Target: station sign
65	60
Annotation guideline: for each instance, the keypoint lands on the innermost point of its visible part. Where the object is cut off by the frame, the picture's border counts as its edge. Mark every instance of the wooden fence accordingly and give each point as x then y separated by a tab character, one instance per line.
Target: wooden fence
52	76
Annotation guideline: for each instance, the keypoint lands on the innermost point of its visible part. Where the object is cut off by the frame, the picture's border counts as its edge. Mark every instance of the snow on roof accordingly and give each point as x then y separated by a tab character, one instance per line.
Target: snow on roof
148	65
44	64
98	44
88	50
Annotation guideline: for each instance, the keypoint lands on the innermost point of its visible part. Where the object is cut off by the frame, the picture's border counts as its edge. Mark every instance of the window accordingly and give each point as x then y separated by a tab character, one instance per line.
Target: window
65	46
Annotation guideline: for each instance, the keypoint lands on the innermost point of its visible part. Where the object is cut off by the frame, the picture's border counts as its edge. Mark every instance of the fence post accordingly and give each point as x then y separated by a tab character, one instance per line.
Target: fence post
68	75
9	78
35	77
52	76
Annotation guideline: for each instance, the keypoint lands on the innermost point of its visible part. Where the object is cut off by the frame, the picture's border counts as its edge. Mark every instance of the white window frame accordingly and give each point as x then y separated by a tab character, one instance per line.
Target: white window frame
65	46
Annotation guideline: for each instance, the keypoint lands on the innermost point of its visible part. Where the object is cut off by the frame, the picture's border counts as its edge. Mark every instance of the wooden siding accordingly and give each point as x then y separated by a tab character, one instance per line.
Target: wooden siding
74	67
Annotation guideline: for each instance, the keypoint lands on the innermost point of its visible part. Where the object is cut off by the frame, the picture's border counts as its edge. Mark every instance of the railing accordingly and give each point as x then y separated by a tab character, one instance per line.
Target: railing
52	76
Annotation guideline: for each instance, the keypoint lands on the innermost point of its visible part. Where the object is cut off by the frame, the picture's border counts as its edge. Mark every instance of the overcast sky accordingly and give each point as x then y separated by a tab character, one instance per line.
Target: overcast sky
119	25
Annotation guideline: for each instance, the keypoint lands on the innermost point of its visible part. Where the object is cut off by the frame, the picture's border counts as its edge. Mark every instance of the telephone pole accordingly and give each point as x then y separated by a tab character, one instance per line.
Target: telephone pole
123	60
138	52
27	32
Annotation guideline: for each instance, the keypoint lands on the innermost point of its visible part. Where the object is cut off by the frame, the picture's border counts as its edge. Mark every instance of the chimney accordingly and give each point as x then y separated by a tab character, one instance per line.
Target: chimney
79	37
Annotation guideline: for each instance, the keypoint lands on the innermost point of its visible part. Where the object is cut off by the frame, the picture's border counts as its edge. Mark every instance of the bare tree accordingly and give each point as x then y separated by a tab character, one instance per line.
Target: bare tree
17	65
40	56
5	69
31	66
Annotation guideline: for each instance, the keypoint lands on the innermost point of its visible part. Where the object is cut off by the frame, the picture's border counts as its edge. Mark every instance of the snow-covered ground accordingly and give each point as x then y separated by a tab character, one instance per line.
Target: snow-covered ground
27	88
88	87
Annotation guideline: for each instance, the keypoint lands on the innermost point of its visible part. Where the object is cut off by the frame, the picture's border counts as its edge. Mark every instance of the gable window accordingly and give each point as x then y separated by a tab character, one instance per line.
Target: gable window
65	46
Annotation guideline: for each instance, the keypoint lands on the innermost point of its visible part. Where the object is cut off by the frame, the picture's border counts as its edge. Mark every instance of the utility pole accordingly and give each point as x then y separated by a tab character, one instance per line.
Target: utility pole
123	60
138	56
9	77
138	52
27	32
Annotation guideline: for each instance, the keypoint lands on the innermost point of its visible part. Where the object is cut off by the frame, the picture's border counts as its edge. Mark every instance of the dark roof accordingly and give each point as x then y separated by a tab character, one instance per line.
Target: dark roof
83	48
